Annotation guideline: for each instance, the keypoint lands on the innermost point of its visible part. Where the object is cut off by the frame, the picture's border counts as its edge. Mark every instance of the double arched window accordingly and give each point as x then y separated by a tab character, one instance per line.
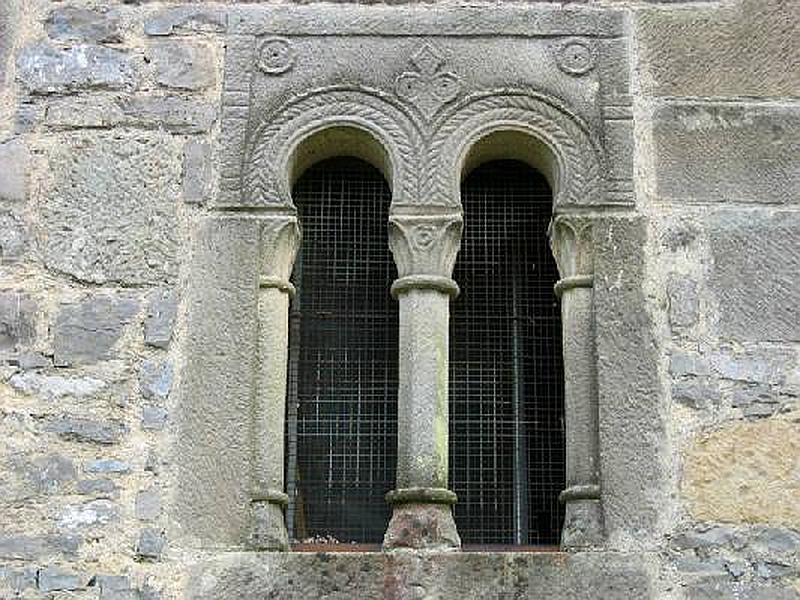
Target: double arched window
506	396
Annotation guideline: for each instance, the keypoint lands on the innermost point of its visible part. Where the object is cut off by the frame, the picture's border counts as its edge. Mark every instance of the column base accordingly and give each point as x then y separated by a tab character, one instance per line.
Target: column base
268	525
422	519
583	524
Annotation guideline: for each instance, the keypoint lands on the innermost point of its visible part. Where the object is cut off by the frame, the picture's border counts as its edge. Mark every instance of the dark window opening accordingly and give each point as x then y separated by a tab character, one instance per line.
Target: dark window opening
342	397
507	461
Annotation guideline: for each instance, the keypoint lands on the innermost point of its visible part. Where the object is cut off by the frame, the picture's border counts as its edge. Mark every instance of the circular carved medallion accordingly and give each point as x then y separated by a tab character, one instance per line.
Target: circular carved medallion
575	57
275	56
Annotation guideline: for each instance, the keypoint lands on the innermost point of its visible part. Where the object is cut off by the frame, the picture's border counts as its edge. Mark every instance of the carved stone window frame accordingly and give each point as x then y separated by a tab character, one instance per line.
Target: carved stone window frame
423	118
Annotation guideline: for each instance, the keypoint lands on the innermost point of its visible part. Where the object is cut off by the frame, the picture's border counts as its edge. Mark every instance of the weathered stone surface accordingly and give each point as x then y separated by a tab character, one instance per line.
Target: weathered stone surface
182	66
744	48
14	159
148	504
186	18
52	387
47	474
683	302
53	580
18	315
95	512
155	379
109	210
635	477
86	430
107	465
151	544
162	309
99	488
154	417
8	29
697	395
197	174
38	548
13	236
412	575
212	495
75	24
725	590
756	274
767	365
45	69
15	581
682	363
726	472
86	332
752	146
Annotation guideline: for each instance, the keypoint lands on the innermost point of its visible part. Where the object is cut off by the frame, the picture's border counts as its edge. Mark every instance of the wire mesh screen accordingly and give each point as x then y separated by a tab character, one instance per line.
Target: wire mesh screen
342	409
507	461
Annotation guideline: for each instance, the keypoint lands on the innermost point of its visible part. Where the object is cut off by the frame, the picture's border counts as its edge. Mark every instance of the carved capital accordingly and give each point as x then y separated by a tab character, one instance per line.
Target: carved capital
573	247
425	249
280	241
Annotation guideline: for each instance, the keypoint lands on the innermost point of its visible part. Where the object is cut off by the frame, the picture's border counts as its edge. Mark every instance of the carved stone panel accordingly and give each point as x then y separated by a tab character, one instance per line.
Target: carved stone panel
426	84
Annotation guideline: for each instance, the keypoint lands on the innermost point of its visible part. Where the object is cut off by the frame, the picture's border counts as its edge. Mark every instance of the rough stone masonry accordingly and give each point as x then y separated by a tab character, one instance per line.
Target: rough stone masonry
110	166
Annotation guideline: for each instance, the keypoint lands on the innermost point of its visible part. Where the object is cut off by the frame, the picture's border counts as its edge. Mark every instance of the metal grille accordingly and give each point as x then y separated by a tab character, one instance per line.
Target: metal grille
342	409
506	375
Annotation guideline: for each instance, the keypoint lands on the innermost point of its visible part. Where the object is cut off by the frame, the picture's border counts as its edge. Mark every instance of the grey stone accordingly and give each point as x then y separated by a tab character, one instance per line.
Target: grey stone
155	379
16	581
197	171
755	274
52	387
186	18
14	159
182	66
107	465
748	48
682	363
162	309
50	473
726	590
150	544
148	504
752	146
18	316
695	394
115	587
736	568
683	302
712	537
108	213
154	417
100	488
762	365
8	29
89	514
13	236
33	360
45	69
86	111
775	540
74	24
680	235
53	580
86	430
152	464
771	569
38	548
87	331
702	565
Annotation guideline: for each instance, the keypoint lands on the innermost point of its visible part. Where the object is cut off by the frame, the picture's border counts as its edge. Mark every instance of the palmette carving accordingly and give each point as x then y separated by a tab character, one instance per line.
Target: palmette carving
572	245
280	241
425	245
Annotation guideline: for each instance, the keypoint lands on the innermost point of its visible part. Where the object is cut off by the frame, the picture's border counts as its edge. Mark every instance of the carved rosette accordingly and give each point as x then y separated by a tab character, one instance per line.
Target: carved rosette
573	247
425	250
280	241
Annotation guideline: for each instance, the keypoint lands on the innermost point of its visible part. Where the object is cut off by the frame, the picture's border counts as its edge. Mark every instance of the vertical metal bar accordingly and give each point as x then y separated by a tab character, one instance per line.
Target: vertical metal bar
295	318
520	441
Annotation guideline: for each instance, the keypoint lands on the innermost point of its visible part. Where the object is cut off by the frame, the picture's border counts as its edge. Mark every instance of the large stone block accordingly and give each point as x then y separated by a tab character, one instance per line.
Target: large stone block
191	18
756	274
13	236
108	210
717	152
86	430
740	48
18	316
745	473
75	24
45	69
162	310
86	331
182	66
14	158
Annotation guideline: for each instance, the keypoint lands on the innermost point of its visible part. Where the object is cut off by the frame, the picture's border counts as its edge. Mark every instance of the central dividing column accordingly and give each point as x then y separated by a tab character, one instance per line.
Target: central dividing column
280	239
425	249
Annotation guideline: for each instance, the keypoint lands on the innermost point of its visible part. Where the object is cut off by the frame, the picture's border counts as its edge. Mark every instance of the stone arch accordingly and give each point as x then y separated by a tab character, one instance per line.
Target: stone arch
518	125
368	123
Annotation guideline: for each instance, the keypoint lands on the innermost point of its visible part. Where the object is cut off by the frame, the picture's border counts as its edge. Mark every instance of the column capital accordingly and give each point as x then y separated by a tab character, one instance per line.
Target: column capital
279	242
425	249
573	247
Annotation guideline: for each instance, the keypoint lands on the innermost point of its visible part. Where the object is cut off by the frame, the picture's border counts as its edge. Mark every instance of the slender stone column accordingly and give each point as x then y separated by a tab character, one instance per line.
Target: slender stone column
425	249
280	239
571	241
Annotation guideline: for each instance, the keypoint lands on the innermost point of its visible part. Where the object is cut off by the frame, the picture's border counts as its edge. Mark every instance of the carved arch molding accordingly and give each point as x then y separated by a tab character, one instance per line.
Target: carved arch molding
427	84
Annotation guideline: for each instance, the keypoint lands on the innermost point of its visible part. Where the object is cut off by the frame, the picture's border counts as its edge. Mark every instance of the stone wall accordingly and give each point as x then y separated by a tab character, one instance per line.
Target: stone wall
109	133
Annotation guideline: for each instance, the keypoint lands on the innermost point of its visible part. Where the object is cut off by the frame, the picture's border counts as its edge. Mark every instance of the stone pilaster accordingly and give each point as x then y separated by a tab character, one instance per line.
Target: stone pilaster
425	249
573	247
280	240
